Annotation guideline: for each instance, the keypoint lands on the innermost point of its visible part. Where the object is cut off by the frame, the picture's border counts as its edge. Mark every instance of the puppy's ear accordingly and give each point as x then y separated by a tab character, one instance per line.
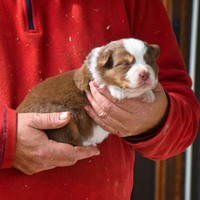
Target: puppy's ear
153	50
105	59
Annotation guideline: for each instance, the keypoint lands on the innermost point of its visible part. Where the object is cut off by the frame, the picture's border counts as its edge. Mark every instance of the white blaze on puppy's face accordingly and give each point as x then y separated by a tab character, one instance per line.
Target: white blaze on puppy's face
126	66
140	75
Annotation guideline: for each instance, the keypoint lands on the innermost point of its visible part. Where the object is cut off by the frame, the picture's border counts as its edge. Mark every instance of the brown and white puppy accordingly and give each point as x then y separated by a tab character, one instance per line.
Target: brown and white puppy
127	67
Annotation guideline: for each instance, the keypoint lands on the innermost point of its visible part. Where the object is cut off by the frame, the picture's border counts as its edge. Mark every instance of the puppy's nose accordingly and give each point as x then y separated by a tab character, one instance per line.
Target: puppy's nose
144	75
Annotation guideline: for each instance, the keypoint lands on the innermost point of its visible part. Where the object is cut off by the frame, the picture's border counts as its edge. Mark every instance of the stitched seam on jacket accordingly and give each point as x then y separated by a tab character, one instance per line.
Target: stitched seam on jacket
2	149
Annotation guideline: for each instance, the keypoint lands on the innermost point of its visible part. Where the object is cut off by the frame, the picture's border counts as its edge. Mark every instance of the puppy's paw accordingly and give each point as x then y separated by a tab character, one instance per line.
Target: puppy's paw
147	96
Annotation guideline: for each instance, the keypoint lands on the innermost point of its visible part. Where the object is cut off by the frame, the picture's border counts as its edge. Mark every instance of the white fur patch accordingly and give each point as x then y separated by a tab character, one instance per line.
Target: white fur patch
136	48
93	63
98	136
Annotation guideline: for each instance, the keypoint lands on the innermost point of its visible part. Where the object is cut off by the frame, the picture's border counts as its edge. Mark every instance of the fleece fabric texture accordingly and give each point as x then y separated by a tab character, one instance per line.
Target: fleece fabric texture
61	35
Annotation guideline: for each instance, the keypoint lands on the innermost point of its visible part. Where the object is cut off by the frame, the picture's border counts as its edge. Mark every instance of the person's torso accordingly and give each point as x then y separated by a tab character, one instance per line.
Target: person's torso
51	38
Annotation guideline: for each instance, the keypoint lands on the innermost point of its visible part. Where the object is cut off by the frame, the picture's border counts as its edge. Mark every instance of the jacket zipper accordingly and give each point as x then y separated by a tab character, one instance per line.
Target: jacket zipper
30	15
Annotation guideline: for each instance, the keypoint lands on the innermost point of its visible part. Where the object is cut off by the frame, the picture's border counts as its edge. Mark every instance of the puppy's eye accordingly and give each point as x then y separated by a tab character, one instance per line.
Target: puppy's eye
125	63
122	64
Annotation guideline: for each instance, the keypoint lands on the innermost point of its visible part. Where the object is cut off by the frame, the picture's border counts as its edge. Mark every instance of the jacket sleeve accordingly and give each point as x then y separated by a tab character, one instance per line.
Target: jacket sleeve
7	136
152	25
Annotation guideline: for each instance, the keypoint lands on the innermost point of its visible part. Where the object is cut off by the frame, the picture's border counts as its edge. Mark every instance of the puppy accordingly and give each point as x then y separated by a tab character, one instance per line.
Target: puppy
127	67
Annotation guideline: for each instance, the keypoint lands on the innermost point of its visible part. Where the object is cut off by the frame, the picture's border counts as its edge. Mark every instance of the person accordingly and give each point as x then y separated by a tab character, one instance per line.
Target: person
40	39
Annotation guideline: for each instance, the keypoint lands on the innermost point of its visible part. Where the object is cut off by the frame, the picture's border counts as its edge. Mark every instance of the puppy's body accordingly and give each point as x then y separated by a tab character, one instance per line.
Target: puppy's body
127	67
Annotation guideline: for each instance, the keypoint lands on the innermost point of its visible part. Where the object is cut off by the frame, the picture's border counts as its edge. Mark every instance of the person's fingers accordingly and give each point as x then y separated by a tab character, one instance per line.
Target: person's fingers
106	114
104	91
66	155
86	152
106	109
48	120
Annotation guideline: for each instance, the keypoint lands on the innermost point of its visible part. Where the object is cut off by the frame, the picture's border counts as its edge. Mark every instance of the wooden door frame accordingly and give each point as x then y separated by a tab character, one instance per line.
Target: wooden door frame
169	180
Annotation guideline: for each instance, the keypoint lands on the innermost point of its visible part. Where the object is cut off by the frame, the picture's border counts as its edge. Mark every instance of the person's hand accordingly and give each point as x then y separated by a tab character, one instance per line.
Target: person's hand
35	152
127	117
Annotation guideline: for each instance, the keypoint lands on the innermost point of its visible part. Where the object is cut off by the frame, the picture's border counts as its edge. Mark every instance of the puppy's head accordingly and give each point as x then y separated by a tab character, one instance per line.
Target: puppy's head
127	64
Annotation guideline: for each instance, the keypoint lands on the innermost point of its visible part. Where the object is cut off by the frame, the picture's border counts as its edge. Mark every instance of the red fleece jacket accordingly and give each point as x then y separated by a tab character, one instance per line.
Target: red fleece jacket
64	32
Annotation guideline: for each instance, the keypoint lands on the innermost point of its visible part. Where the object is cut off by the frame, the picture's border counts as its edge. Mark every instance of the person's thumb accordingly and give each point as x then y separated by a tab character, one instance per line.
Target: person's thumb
49	120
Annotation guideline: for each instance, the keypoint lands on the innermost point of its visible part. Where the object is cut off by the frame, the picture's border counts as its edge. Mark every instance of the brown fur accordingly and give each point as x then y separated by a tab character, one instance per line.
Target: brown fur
65	92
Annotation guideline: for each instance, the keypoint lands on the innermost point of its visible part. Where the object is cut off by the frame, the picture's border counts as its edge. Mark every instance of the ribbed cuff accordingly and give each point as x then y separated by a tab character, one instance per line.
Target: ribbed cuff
7	145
